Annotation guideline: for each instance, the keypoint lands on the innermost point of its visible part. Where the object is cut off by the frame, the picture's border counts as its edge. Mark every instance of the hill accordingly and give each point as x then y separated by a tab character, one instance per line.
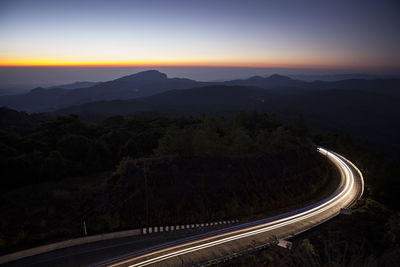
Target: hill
363	114
132	86
36	100
340	77
148	83
20	122
75	85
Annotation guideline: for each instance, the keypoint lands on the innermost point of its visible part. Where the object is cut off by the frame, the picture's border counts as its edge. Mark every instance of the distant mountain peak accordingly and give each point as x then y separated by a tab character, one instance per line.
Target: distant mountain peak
279	77
256	77
146	75
37	89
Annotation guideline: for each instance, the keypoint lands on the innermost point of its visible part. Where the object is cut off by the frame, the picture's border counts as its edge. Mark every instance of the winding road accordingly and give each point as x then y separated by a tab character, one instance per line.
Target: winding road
201	248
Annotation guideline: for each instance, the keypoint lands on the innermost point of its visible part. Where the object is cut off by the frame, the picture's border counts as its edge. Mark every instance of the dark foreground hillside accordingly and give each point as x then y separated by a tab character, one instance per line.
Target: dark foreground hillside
189	190
64	172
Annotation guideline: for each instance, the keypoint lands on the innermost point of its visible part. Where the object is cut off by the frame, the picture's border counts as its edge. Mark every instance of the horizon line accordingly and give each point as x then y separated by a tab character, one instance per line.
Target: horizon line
181	64
393	70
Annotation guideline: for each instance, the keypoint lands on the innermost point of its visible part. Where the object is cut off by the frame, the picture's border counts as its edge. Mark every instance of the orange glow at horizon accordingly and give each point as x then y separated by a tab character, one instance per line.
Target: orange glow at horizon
161	63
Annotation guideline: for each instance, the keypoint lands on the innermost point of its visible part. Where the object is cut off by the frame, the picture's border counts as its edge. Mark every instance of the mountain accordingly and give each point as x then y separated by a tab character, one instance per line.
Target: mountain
74	85
273	81
206	98
381	86
36	100
213	95
363	114
9	90
132	86
340	77
152	82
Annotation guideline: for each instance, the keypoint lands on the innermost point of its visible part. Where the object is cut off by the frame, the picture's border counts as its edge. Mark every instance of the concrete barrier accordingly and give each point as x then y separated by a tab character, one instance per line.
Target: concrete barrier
285	244
88	239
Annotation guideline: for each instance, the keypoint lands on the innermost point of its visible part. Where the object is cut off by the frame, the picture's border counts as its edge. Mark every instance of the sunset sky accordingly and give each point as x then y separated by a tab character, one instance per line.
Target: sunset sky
293	34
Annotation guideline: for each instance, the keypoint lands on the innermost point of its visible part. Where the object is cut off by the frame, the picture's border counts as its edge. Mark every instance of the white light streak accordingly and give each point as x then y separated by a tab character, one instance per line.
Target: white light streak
344	197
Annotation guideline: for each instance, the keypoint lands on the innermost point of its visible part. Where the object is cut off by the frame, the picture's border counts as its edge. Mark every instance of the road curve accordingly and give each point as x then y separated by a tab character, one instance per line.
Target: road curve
200	248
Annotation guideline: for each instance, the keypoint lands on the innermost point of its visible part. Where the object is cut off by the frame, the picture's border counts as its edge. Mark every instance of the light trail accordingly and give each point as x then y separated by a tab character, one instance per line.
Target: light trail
359	174
345	195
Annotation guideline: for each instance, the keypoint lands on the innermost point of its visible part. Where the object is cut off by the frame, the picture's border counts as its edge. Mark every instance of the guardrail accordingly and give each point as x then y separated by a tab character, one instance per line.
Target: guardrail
156	229
101	237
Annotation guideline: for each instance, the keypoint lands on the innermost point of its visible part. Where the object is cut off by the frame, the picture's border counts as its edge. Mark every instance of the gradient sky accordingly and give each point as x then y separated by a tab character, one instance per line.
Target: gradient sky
359	35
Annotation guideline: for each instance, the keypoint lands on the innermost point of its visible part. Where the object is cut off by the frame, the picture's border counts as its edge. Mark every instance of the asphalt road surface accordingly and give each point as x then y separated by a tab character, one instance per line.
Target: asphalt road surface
199	249
184	248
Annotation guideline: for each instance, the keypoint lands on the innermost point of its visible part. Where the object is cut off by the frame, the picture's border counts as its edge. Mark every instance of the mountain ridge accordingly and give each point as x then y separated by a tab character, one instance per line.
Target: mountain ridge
152	82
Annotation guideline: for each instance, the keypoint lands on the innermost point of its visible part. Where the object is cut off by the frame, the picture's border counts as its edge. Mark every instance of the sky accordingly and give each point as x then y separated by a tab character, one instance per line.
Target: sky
362	36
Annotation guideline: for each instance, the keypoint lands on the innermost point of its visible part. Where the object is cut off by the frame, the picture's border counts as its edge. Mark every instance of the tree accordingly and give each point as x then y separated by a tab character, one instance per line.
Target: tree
176	142
54	165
